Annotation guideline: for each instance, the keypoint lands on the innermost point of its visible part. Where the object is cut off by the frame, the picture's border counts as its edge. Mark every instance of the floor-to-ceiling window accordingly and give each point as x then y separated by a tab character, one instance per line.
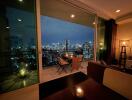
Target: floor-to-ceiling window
100	39
67	30
18	65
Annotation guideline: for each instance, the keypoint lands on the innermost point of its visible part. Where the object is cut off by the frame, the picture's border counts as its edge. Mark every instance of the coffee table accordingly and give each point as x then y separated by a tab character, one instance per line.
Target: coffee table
50	87
64	89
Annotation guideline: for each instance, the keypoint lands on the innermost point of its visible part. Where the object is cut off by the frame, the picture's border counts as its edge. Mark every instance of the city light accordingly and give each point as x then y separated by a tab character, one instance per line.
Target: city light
19	19
26	65
7	27
22	72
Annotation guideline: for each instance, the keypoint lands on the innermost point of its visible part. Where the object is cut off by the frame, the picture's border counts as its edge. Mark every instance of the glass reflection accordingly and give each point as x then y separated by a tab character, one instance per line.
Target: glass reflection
18	67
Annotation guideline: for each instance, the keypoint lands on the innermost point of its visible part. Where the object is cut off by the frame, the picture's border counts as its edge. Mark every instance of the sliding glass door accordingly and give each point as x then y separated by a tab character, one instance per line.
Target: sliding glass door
66	29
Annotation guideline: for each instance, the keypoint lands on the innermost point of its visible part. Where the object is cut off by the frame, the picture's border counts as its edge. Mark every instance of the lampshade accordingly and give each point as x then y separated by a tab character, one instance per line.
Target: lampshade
124	43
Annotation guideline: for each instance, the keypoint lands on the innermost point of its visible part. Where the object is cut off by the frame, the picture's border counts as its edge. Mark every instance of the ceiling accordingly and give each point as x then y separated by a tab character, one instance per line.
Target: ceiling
63	10
103	8
107	8
27	5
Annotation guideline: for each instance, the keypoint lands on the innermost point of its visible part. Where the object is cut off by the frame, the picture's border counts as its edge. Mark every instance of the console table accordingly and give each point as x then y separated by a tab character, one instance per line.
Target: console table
50	87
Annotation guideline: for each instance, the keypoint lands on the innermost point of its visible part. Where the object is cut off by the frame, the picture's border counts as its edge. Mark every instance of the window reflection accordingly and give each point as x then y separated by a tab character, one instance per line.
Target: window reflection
18	67
100	39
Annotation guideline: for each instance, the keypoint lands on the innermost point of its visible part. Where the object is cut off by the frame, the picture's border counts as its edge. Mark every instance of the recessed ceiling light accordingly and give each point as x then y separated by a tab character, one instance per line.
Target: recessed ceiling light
20	0
72	16
19	19
117	11
94	23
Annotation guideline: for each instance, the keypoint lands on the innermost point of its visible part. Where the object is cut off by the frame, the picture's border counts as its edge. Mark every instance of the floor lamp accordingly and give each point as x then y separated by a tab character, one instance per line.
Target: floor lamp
123	53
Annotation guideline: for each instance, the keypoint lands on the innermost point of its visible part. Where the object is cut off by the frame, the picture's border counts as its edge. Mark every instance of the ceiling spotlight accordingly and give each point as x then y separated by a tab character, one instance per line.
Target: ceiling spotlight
72	16
20	0
94	23
19	19
117	11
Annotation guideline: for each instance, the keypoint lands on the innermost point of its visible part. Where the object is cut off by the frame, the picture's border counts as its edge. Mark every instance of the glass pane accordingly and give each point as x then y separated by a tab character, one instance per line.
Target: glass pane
100	38
18	66
66	31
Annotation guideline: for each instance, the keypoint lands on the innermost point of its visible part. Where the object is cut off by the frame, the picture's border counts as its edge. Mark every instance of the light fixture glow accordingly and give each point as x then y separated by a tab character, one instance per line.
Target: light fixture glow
94	23
101	44
124	43
90	42
66	54
101	48
7	27
19	19
22	72
26	65
118	11
24	83
20	0
72	16
79	92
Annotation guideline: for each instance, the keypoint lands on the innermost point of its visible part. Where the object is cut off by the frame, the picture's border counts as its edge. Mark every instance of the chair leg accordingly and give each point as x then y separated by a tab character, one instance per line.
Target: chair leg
58	68
64	68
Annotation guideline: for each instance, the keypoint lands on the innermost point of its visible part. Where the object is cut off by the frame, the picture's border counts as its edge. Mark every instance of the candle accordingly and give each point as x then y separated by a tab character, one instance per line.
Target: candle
79	92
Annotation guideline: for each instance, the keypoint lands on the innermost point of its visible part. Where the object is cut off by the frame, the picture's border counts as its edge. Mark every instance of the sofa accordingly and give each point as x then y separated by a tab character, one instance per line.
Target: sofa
116	80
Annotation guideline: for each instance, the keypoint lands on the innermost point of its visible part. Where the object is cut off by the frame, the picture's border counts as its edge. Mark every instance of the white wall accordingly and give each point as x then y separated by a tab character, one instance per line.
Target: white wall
124	32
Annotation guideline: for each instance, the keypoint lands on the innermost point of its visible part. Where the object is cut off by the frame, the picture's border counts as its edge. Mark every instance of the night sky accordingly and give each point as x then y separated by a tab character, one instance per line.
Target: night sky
24	30
55	30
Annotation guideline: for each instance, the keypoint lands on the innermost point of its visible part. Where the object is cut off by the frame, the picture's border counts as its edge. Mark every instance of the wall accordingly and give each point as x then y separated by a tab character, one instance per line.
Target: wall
28	93
124	32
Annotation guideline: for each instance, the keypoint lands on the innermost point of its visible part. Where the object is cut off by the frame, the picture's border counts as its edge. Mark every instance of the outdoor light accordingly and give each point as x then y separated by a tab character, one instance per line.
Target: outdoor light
19	47
90	42
22	72
66	54
79	92
26	65
24	83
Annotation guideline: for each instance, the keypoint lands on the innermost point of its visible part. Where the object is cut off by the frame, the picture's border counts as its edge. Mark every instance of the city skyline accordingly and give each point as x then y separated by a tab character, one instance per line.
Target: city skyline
56	30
